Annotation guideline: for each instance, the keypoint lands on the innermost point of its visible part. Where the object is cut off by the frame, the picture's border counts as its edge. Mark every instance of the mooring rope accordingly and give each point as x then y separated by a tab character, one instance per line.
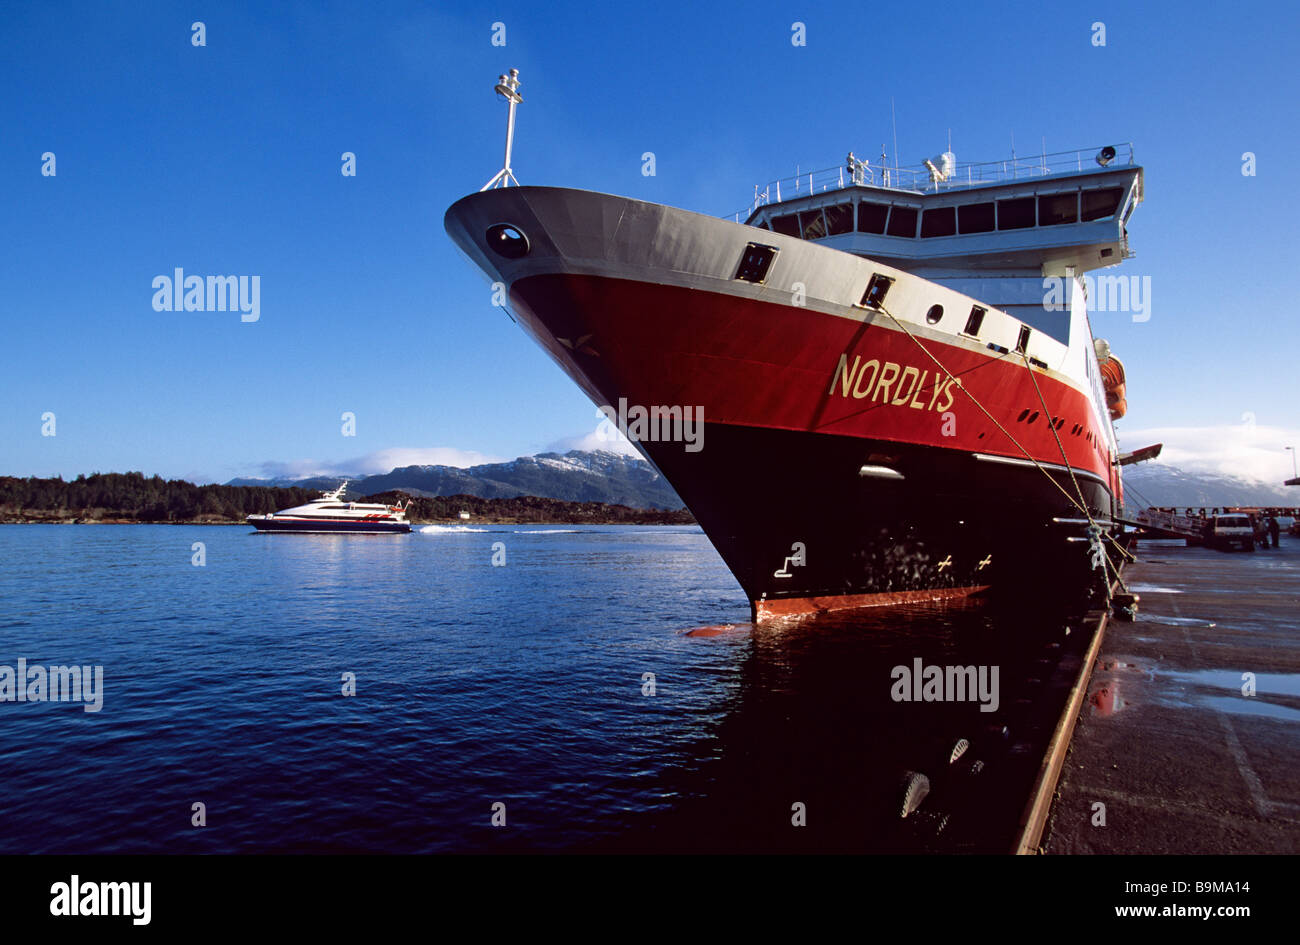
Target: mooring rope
1093	528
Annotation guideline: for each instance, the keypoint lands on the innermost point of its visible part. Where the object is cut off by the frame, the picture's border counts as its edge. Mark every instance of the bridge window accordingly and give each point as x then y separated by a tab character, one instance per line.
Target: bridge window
811	225
1057	209
839	218
902	222
939	221
1015	214
871	217
755	263
787	225
975	218
974	322
1099	204
761	224
874	297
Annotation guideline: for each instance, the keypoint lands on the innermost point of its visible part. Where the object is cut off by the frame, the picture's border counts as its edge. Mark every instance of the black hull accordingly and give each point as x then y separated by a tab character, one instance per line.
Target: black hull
953	524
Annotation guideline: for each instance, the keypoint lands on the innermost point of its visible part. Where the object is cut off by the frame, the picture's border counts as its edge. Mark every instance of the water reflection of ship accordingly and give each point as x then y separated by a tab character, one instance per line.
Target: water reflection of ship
812	721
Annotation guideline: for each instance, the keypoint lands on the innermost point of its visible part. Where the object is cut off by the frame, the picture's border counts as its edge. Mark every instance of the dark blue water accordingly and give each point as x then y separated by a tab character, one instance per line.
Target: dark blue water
475	685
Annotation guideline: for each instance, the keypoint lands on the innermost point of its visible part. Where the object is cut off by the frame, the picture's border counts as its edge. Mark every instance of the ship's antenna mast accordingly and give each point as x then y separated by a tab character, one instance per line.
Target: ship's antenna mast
893	120
508	88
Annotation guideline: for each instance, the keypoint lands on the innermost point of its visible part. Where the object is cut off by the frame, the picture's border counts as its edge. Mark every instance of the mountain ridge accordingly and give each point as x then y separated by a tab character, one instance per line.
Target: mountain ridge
575	476
619	479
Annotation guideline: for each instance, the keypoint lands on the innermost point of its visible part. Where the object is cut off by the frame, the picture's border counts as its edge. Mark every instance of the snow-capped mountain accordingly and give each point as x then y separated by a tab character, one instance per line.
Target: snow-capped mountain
1163	485
575	476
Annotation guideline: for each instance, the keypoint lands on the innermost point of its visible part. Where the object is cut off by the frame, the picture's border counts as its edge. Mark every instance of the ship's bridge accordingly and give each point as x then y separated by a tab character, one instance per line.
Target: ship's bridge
992	230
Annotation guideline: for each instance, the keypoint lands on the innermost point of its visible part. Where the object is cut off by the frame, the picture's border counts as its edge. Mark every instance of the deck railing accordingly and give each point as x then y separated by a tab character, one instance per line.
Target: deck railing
920	178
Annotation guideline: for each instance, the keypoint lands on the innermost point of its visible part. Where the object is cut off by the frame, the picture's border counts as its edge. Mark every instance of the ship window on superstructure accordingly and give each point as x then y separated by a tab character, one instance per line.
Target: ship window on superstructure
874	297
1016	214
934	315
811	225
755	262
975	320
902	222
871	217
939	221
761	224
1098	204
1022	342
1058	209
787	225
975	218
839	218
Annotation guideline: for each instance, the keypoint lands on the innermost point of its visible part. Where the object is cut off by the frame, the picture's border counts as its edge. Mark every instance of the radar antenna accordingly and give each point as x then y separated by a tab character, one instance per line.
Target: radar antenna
508	88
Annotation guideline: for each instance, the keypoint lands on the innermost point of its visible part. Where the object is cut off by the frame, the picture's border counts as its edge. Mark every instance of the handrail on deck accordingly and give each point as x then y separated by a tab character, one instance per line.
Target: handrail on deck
921	179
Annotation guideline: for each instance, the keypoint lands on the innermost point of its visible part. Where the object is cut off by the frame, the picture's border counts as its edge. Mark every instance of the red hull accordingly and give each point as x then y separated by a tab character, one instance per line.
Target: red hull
758	364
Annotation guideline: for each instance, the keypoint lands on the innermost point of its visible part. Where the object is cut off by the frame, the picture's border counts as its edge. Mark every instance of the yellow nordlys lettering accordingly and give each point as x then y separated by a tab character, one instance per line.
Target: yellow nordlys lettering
859	389
888	374
845	377
947	389
901	397
938	389
920	386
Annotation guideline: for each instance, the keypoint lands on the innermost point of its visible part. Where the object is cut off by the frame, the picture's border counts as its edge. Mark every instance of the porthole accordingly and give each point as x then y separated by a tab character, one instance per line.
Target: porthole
508	241
934	315
1024	413
1033	416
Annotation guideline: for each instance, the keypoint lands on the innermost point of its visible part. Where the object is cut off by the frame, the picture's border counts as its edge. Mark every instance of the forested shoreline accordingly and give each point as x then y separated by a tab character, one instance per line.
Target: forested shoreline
133	498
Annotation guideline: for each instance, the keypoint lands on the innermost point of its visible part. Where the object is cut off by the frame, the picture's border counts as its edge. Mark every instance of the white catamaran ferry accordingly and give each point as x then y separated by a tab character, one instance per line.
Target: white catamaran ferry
330	513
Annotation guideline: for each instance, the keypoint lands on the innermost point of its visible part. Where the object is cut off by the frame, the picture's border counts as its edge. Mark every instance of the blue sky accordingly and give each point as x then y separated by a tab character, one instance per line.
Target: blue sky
225	159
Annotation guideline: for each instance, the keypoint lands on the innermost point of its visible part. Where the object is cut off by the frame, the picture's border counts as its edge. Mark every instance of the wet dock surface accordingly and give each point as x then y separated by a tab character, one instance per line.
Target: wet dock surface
1170	740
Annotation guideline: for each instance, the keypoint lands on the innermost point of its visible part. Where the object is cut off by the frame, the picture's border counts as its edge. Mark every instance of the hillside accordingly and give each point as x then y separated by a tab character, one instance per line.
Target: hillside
575	476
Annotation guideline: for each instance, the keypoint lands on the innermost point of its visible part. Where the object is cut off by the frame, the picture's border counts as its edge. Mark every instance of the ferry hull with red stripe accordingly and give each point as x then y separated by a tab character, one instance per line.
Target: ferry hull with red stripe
844	461
307	526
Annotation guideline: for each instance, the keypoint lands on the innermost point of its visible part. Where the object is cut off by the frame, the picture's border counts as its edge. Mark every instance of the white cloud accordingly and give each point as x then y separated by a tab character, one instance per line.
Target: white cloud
605	437
1243	450
380	461
383	461
296	469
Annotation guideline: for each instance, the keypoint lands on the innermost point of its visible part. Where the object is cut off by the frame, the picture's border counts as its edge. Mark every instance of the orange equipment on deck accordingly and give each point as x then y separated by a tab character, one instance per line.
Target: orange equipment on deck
1112	378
